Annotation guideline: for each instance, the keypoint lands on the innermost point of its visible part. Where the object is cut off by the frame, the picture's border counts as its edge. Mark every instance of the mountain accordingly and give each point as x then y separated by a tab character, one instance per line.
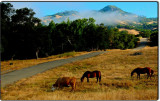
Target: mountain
109	15
66	13
111	8
58	17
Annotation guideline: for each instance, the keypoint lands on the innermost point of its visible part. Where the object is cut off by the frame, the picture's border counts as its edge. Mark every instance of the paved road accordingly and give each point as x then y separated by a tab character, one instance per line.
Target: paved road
143	43
11	77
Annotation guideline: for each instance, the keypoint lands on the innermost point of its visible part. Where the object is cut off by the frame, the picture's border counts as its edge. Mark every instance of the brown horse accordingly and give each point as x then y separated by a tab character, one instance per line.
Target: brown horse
65	82
93	74
139	71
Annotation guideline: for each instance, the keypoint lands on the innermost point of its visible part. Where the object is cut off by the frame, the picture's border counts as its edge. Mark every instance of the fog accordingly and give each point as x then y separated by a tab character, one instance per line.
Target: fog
108	18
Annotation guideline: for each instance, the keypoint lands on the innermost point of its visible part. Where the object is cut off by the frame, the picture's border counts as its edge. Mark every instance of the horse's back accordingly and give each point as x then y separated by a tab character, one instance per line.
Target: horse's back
68	79
143	70
64	81
149	69
97	72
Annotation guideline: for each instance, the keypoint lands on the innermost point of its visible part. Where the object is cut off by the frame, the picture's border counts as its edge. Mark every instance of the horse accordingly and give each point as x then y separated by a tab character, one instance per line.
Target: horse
139	71
89	74
65	82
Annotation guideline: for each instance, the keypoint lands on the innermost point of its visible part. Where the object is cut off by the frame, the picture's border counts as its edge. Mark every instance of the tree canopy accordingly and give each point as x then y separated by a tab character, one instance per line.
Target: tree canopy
23	35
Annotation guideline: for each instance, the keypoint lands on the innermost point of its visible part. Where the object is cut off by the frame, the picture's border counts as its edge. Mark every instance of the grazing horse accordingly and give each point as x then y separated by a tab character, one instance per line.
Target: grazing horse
65	82
139	71
93	74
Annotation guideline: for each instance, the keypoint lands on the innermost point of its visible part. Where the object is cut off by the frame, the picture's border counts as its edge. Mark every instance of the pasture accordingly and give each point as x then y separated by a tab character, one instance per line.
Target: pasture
116	82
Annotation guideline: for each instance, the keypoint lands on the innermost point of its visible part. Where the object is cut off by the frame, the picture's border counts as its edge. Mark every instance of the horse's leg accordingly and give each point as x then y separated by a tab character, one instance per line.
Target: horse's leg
137	75
150	75
87	79
97	79
59	86
147	75
100	78
72	88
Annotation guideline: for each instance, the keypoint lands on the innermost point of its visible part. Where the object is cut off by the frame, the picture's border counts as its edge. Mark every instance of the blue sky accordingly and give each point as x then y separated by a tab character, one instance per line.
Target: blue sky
148	9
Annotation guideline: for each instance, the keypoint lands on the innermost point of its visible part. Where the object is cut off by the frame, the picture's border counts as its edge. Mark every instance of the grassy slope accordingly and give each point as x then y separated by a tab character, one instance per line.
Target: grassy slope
130	31
116	83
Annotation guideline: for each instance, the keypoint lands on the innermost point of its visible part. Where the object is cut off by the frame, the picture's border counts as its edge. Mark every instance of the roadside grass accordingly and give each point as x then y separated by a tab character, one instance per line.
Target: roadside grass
116	84
67	54
19	64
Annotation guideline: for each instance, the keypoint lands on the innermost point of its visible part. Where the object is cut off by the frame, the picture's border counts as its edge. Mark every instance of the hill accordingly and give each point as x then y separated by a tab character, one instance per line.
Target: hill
109	15
130	31
111	8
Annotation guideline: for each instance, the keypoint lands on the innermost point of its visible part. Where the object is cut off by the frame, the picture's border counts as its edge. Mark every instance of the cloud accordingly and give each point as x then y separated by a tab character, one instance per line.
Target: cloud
108	18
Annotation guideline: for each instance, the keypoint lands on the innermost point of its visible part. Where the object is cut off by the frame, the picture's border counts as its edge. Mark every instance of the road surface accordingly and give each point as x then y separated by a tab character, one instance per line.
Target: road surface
143	43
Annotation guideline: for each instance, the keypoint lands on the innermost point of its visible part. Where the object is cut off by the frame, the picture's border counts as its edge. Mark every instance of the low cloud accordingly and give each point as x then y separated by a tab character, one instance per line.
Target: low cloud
108	18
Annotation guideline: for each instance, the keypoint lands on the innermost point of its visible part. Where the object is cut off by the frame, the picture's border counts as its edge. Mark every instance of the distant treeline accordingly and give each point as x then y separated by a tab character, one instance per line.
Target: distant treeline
23	35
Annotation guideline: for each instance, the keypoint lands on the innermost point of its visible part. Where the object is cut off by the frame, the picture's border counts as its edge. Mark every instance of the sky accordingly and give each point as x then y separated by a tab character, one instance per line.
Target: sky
147	9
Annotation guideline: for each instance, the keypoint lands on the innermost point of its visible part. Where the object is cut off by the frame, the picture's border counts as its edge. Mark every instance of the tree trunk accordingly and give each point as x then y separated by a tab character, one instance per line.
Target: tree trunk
37	53
62	47
13	56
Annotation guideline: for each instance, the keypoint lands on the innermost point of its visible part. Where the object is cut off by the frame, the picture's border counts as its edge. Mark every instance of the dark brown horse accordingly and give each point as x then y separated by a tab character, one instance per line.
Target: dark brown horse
89	74
139	71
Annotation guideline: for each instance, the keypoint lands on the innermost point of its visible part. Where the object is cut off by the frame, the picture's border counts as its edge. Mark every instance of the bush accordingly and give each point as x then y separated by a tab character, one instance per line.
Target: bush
154	38
145	33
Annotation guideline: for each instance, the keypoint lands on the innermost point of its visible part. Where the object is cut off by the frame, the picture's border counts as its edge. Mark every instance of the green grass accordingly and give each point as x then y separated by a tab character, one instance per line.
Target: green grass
67	54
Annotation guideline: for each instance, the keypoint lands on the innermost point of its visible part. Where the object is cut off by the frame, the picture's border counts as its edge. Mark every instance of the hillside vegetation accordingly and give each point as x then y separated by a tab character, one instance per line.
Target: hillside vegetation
116	84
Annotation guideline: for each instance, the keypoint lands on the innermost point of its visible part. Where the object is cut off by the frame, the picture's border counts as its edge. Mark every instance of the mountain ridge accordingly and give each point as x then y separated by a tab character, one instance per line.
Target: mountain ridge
109	13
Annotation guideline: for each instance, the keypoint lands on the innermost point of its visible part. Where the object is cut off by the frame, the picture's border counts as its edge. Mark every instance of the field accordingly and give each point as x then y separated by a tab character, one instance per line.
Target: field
116	84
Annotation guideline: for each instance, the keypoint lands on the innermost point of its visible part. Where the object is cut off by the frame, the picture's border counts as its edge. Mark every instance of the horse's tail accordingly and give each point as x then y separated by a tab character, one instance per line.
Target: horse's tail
152	72
99	76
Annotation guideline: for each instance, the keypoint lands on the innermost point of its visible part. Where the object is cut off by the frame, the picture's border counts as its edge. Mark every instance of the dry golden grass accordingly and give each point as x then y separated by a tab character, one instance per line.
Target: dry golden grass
130	31
58	16
151	22
19	64
116	84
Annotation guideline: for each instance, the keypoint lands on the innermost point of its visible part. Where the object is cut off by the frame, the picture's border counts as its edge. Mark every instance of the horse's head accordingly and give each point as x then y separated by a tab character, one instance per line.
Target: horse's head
82	79
54	85
132	74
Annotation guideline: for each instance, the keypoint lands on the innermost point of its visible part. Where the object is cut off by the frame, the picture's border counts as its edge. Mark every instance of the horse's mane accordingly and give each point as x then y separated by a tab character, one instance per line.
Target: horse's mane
134	70
85	74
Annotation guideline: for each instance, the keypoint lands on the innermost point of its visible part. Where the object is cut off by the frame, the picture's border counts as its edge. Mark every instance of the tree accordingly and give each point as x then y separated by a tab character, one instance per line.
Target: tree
7	11
154	38
24	23
145	33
